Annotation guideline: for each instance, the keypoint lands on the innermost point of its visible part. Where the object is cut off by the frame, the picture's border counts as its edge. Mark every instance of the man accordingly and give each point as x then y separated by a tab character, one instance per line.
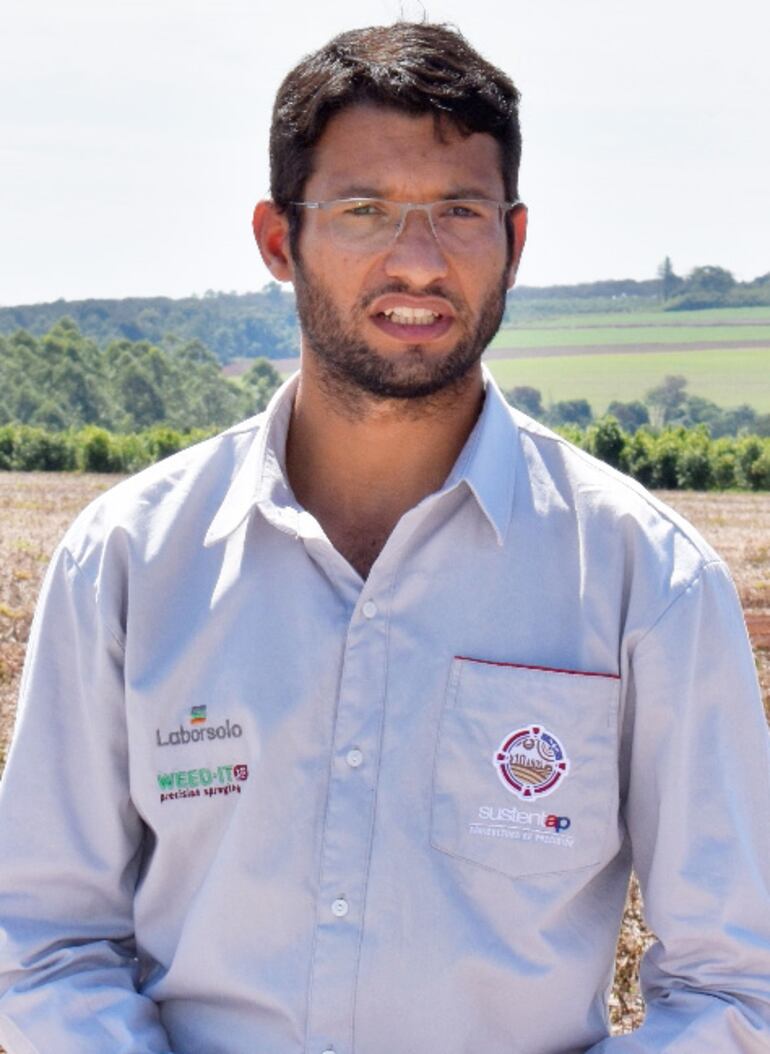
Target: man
341	731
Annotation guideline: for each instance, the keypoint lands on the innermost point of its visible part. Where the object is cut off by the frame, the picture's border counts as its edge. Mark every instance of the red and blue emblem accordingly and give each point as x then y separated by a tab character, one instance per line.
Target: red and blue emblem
531	762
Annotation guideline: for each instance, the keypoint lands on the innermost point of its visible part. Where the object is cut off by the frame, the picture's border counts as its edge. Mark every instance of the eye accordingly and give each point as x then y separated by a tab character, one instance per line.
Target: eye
364	208
462	210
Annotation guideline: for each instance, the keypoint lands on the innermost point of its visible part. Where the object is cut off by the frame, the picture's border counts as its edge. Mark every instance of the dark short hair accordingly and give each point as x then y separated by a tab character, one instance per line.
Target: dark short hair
417	68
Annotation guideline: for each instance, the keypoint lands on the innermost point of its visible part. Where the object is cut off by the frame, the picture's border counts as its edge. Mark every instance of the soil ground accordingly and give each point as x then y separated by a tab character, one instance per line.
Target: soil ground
36	508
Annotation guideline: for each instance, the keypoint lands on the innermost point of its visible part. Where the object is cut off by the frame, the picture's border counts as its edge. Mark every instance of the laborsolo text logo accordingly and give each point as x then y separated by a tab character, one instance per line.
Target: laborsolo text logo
531	762
200	731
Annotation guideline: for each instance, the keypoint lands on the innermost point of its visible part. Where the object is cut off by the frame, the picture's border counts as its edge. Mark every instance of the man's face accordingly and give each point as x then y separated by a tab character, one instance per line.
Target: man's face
349	302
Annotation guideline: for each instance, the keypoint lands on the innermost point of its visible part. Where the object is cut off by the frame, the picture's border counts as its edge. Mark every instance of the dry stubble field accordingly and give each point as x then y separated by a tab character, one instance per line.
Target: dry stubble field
35	509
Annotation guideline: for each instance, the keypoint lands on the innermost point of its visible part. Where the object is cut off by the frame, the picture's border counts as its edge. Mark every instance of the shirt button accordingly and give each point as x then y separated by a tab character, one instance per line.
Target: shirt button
340	908
369	609
354	758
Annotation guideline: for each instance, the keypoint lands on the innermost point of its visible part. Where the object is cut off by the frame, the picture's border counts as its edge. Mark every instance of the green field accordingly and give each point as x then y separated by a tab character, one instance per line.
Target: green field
728	377
674	319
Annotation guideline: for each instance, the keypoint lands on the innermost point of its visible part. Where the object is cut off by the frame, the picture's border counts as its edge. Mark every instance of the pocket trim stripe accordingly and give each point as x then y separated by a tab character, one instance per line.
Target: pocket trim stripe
543	669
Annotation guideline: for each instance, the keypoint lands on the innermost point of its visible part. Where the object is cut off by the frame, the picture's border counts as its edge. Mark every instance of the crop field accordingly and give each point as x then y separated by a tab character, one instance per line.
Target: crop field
582	336
725	356
728	377
753	316
36	508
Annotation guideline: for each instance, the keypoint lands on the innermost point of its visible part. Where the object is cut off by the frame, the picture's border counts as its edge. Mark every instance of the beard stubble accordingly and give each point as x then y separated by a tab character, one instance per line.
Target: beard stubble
350	367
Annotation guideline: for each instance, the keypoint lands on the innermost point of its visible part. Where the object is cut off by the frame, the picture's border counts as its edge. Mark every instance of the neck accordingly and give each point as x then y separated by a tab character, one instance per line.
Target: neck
359	464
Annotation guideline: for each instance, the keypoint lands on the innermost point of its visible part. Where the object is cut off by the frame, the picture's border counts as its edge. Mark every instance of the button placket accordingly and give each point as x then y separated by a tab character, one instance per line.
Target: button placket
348	827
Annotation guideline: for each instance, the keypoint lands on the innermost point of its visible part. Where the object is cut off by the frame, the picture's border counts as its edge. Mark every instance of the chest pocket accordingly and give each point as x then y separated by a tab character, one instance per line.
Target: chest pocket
525	778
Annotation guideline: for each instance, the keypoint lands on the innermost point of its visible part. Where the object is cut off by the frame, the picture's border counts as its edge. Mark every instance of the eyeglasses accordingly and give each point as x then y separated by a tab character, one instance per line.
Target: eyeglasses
369	225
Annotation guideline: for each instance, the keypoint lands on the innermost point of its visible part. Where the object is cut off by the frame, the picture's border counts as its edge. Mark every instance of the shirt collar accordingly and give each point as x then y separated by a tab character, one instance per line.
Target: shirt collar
486	465
487	462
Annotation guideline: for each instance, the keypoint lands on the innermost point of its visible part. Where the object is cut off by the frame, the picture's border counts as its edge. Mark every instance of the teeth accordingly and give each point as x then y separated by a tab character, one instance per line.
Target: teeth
411	316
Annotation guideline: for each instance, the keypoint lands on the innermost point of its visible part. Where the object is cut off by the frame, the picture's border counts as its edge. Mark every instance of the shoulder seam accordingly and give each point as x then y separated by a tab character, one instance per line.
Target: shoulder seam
627	482
682	591
92	588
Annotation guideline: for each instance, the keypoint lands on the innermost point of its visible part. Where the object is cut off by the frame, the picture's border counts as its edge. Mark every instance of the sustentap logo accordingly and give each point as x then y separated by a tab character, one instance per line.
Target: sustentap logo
520	825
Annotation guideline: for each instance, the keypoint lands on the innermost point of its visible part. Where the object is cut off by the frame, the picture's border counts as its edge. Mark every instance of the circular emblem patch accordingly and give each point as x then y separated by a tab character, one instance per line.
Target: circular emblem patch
531	762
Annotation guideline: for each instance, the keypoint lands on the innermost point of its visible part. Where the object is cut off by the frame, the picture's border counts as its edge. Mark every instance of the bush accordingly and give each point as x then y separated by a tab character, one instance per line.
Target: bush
7	433
34	449
161	442
749	450
665	463
724	463
759	471
608	442
97	451
640	457
694	468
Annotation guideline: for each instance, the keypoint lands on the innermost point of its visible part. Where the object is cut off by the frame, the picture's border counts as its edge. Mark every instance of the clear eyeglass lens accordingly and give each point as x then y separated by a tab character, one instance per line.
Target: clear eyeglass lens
369	224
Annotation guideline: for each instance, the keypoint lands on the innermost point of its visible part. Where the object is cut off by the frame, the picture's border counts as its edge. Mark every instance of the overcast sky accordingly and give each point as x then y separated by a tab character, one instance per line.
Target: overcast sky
133	135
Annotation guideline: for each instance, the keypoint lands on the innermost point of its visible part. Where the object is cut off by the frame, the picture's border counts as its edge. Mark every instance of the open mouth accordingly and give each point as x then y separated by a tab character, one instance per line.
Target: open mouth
411	316
412	322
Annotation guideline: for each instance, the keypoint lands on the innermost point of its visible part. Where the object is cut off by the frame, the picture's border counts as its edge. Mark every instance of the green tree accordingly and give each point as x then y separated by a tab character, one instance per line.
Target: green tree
608	442
527	399
260	381
669	282
666	399
571	411
631	416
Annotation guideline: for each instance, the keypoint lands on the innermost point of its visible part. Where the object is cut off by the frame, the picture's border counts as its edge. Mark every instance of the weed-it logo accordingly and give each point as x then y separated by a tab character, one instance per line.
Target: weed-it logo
202	782
198	733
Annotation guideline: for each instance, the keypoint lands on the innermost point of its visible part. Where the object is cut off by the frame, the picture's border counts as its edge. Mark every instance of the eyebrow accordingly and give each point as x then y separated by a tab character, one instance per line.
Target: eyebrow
359	190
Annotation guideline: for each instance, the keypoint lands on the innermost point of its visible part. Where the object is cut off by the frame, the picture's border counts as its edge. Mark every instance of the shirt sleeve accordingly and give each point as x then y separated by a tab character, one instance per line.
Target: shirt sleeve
698	815
71	842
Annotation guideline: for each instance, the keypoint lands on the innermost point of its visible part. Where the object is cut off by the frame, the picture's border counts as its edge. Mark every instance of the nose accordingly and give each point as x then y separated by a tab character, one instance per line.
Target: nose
415	255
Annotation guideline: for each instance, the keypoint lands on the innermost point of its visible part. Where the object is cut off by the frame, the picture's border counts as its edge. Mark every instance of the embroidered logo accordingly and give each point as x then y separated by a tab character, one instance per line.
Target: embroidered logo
198	734
202	782
531	762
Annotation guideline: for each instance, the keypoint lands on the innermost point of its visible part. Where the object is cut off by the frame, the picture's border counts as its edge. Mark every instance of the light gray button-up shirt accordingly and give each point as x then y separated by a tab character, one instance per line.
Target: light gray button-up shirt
256	805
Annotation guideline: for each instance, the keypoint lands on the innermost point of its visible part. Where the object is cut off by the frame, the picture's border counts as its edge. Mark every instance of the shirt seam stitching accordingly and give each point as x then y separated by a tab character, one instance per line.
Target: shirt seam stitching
623	480
93	591
682	592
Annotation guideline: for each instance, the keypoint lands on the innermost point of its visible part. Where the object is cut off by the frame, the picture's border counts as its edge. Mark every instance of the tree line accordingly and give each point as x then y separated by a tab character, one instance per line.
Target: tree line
264	324
672	458
666	404
64	380
232	325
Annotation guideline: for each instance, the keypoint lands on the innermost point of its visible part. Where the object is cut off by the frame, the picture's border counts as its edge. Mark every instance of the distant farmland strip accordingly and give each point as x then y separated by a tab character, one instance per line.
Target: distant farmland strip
498	351
729	377
572	336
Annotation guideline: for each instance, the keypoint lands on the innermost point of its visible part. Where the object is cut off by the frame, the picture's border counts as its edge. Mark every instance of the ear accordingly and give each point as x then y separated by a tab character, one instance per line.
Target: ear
271	232
519	229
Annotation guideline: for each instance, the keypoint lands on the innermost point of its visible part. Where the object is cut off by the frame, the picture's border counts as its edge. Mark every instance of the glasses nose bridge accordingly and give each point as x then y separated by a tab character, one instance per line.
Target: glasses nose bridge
410	206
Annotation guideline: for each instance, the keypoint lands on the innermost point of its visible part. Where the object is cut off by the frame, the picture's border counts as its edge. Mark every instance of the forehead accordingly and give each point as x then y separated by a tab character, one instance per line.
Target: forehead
376	151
